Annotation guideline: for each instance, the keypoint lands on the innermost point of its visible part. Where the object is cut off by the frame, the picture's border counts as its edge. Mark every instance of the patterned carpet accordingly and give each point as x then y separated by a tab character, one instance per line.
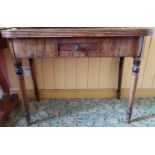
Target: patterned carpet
85	113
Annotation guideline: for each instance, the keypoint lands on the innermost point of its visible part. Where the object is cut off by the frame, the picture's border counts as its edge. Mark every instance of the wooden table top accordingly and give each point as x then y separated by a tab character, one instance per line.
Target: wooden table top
74	32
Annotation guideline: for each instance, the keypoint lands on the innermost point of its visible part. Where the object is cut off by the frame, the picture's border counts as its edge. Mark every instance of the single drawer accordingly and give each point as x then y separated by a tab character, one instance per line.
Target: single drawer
77	47
99	47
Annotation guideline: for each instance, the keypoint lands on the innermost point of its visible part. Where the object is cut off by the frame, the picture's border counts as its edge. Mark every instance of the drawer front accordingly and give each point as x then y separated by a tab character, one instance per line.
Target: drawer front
99	47
77	47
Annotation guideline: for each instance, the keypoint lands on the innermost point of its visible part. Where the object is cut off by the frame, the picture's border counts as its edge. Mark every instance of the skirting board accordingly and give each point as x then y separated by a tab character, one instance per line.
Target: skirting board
88	93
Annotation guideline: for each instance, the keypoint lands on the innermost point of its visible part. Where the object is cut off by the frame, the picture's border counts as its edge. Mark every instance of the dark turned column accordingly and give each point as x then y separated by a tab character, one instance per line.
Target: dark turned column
120	75
135	72
33	72
19	73
4	84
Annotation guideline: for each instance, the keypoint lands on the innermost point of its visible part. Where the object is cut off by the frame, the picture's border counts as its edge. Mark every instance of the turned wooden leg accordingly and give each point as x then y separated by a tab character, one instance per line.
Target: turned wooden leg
19	73
33	72
120	74
135	72
4	84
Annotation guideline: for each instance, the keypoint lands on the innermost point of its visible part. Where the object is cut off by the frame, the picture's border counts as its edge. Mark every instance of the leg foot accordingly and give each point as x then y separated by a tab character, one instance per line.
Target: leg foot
128	116
28	119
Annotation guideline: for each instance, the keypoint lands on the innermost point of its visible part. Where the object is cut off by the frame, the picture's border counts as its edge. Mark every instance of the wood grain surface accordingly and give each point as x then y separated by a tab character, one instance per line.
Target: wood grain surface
74	32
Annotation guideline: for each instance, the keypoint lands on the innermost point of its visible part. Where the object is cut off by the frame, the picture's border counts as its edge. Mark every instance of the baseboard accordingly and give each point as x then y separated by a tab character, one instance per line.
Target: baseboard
87	93
142	93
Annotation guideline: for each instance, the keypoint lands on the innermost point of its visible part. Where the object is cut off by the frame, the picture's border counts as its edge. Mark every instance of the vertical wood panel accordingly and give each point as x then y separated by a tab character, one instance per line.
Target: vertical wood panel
105	67
70	73
48	73
150	66
152	47
153	84
144	61
59	72
113	77
93	73
82	73
127	72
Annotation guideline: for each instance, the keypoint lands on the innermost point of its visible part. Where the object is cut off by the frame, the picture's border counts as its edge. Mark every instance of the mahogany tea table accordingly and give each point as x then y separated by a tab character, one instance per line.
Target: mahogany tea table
31	43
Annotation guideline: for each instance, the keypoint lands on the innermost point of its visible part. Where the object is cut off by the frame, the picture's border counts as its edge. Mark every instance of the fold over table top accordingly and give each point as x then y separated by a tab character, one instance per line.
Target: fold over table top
74	32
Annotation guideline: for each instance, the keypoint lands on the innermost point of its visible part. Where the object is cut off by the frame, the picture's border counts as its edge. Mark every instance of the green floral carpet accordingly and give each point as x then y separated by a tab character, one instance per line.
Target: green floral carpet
85	113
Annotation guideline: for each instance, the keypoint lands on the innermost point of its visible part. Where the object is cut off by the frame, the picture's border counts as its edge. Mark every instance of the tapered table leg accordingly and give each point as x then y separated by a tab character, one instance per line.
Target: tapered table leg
120	75
19	73
33	72
135	72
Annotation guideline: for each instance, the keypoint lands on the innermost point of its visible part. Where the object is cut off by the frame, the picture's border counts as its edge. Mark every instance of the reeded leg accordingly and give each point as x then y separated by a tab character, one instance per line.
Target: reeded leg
135	72
19	73
120	74
33	72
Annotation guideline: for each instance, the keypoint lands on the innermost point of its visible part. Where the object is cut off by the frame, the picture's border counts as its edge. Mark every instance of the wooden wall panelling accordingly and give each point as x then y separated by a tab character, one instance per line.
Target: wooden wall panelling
153	84
93	73
105	70
82	73
127	72
71	71
59	73
150	66
48	73
153	49
144	61
113	77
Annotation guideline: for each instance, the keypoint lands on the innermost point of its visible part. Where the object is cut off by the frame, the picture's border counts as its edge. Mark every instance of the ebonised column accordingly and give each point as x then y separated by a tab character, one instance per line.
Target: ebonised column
120	75
22	89
33	72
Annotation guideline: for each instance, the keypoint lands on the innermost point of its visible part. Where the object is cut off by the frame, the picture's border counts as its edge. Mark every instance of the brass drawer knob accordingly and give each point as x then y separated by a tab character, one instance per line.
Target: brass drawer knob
77	47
